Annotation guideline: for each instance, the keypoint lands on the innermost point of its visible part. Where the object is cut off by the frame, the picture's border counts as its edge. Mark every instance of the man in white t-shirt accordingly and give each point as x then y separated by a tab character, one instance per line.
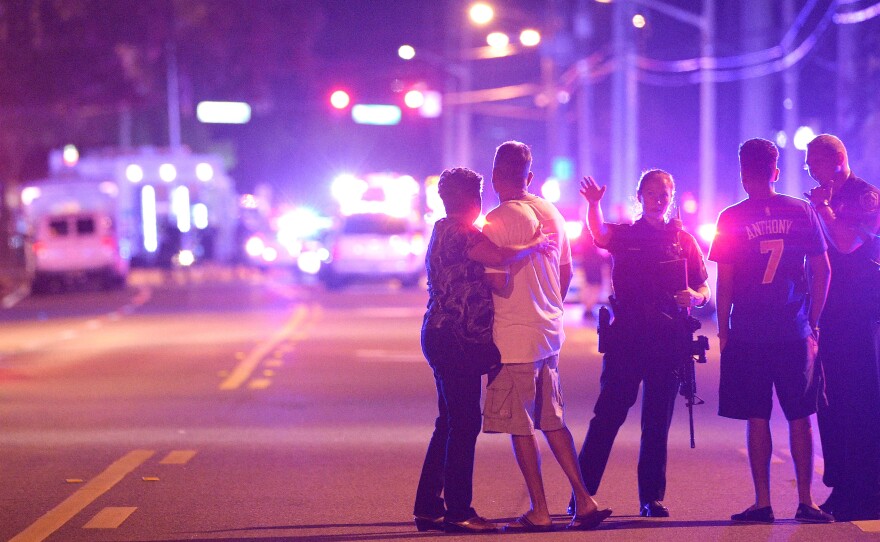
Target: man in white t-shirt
524	393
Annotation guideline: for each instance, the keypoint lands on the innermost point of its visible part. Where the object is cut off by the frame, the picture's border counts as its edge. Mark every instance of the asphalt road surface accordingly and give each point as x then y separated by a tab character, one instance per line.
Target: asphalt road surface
221	404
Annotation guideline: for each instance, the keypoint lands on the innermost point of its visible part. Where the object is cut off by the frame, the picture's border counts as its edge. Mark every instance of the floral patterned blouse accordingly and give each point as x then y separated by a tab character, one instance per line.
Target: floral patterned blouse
458	297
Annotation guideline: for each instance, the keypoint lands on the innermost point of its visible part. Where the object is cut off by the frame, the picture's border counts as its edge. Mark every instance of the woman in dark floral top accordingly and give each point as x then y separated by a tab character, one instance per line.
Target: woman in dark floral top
457	342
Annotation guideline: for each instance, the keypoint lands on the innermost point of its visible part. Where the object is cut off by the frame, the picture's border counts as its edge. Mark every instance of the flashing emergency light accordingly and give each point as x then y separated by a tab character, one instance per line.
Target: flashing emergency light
148	212
376	114
134	173
551	190
301	223
223	112
167	172
802	136
204	172
433	105
340	99
180	208
346	187
639	21
269	254
309	263
481	221
70	155
200	215
530	37
186	258
706	232
414	99
29	194
254	247
573	229
498	40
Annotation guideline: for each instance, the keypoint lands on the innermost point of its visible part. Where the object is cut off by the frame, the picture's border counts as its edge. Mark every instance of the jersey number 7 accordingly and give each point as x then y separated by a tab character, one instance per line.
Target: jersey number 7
775	248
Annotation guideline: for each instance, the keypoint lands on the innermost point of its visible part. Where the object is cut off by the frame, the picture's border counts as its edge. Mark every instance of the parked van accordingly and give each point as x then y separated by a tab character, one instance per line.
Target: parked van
79	246
78	233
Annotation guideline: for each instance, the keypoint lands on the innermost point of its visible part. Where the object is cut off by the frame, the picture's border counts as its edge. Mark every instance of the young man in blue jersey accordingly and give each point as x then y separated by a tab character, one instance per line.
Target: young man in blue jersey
768	313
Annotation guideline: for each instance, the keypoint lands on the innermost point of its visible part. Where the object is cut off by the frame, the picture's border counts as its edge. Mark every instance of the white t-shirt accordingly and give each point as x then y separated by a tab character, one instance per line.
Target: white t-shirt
528	323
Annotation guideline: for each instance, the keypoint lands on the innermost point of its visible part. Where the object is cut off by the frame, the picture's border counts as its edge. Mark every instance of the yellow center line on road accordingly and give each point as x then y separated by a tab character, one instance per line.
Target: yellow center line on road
868	526
52	520
247	366
178	457
110	517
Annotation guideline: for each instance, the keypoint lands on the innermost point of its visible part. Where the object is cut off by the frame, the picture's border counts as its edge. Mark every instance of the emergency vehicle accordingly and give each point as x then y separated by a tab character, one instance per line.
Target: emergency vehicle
149	206
380	230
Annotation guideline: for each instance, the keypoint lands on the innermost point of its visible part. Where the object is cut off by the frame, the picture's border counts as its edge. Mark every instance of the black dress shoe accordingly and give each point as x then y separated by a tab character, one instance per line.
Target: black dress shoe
474	525
654	509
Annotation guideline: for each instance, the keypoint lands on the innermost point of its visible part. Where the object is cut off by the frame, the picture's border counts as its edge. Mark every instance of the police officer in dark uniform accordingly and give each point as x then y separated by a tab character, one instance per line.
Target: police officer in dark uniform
653	292
849	342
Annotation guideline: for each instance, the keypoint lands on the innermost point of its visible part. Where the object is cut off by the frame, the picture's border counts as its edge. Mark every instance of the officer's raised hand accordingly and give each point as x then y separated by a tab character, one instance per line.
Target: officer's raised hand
591	191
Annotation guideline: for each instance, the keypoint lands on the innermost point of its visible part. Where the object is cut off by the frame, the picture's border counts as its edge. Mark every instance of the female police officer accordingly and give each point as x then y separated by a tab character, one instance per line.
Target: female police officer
653	292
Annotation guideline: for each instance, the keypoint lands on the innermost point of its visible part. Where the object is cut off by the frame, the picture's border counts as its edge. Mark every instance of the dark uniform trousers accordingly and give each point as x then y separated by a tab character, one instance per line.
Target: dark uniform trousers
634	361
849	424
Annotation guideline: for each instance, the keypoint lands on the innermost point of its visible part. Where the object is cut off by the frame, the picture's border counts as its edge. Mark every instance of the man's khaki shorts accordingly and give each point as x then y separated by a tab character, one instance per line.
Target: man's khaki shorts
522	397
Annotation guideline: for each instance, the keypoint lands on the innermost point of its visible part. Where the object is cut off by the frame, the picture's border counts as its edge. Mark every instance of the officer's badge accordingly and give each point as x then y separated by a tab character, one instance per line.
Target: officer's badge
870	201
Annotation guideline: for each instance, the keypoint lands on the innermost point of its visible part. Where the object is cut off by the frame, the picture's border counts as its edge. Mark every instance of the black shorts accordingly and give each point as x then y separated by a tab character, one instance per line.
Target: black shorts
749	371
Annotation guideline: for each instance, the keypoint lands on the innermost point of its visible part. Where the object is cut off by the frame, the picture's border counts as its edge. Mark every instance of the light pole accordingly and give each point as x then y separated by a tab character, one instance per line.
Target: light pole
626	91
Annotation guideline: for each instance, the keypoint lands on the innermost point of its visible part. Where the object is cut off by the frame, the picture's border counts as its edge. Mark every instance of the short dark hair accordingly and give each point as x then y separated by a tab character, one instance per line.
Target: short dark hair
458	188
513	160
826	145
757	159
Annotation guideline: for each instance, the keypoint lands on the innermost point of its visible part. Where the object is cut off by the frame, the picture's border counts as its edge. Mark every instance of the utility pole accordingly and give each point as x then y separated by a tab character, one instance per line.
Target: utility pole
708	136
624	108
792	159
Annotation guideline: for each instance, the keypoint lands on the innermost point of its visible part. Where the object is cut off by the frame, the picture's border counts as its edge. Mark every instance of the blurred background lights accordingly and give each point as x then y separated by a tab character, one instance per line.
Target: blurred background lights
498	40
309	263
781	139
706	232
134	173
481	13
204	172
573	229
802	136
551	190
433	106
70	155
223	112
688	203
406	52
530	37
186	258
414	99
167	172
340	99
29	194
200	216
638	20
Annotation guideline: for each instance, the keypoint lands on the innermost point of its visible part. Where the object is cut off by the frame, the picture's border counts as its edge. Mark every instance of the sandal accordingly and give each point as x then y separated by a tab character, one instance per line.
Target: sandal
588	521
523	524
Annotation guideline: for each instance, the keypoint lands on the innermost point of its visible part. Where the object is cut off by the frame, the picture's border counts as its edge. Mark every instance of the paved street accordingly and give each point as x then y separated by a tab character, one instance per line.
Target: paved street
231	405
